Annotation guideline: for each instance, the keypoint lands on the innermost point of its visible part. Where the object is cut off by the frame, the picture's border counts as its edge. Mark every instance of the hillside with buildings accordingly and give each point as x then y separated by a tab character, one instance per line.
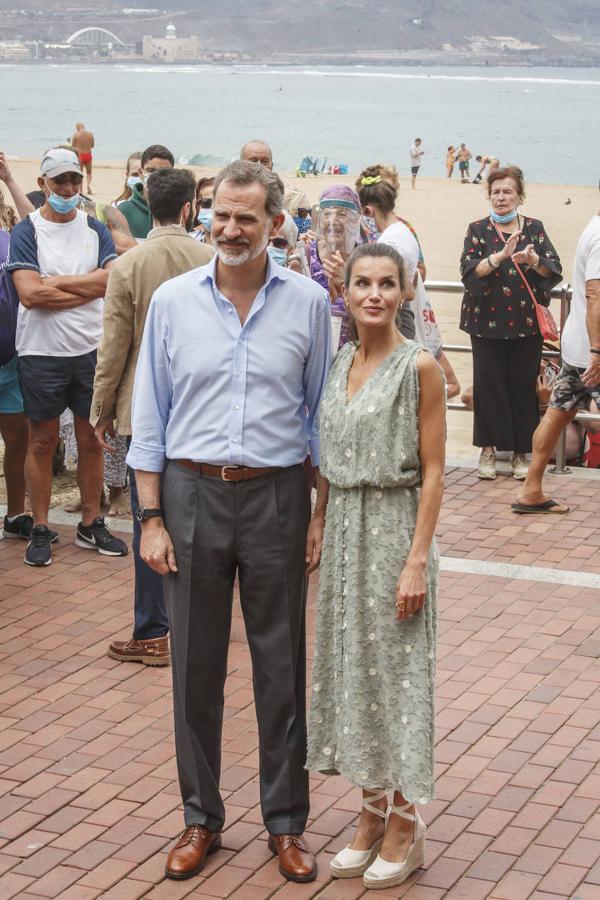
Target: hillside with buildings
402	31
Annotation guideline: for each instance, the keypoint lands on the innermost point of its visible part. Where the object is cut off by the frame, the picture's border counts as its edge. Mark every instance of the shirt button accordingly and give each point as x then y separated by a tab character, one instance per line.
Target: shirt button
237	406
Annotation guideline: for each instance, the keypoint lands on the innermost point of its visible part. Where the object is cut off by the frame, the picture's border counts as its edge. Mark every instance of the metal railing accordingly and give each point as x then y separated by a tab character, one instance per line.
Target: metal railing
564	293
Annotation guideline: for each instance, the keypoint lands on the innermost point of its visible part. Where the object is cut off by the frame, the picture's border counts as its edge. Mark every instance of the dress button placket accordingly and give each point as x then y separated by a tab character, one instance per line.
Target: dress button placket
344	590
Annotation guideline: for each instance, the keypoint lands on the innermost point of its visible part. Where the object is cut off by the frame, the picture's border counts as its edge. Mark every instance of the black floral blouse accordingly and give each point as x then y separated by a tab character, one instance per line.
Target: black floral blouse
499	305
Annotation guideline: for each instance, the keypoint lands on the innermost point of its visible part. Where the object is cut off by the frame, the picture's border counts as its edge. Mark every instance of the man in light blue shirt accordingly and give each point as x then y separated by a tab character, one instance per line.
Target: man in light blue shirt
229	379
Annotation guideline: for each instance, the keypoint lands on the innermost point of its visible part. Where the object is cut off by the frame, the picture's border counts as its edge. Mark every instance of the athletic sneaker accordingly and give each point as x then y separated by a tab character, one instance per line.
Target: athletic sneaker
21	527
39	550
519	466
97	537
487	465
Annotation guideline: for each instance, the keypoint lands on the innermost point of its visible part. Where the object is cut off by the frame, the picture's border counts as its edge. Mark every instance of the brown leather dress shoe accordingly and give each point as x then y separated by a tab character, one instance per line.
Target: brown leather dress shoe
151	652
188	856
296	860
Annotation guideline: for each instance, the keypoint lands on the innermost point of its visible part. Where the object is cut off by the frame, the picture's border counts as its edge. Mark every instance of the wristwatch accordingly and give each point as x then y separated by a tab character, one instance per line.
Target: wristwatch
141	513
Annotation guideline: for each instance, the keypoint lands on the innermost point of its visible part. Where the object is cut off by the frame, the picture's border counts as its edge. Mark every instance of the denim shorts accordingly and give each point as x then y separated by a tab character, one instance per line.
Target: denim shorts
569	392
11	401
51	384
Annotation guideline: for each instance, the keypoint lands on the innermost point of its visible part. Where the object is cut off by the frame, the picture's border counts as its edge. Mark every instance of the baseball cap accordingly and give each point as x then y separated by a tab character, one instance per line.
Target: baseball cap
58	161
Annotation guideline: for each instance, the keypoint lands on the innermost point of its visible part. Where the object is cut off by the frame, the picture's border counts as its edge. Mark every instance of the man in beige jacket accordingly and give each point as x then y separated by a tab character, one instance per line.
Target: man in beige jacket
169	251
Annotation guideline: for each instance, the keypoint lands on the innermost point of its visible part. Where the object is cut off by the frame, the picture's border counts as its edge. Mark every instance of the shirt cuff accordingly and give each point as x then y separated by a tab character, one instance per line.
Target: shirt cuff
146	457
314	448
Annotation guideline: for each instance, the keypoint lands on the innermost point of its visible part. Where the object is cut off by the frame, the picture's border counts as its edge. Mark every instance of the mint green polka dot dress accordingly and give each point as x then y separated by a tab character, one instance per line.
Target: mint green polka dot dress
372	711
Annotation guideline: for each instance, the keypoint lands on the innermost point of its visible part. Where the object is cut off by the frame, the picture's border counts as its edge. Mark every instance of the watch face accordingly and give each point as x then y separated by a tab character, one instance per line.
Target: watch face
139	513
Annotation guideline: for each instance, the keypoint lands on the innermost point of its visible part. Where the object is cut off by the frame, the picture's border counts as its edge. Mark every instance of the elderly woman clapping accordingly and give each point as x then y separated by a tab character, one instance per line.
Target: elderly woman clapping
507	257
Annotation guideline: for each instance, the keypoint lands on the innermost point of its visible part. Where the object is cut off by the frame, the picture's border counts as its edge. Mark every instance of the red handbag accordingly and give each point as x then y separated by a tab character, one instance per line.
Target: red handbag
546	321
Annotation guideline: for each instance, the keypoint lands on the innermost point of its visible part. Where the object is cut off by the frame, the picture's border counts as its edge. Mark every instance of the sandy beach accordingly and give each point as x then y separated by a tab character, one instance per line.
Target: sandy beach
440	210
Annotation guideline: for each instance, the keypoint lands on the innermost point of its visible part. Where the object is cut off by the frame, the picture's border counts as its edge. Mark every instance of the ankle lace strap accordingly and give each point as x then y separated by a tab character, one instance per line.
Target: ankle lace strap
401	811
373	798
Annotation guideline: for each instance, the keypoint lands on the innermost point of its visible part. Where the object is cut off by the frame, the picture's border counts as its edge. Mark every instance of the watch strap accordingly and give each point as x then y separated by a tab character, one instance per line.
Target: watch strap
143	513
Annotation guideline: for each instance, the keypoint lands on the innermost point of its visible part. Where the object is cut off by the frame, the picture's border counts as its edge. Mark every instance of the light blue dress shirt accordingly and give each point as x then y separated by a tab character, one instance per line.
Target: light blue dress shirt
209	389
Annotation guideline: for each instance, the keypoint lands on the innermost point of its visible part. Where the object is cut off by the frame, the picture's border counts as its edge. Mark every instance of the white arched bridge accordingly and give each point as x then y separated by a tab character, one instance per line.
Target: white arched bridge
96	36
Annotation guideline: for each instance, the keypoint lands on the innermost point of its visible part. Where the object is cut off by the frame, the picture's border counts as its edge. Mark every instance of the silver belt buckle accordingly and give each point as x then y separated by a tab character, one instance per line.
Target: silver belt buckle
225	469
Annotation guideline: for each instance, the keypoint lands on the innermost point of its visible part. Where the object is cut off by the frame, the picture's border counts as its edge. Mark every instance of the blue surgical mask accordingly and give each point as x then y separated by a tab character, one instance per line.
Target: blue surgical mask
133	180
503	220
61	204
205	217
277	254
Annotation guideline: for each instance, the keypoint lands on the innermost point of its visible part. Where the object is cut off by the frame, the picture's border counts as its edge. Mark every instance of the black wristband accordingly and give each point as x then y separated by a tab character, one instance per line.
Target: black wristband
593	350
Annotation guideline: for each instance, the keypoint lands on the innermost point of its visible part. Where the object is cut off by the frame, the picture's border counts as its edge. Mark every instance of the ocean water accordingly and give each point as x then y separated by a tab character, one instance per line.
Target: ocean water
546	120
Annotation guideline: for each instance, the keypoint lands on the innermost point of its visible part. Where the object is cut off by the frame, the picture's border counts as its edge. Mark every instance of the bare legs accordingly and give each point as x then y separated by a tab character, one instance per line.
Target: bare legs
13	428
90	470
544	440
43	438
397	834
370	826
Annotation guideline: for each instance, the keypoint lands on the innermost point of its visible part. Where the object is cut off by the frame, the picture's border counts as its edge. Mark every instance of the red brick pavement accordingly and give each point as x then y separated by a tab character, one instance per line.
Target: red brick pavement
89	800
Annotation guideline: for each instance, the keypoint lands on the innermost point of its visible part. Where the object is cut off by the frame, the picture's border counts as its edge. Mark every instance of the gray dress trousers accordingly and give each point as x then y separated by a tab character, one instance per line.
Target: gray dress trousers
256	530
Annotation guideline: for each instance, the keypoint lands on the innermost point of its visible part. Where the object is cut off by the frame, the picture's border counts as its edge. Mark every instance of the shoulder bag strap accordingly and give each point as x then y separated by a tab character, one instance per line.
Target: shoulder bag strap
518	268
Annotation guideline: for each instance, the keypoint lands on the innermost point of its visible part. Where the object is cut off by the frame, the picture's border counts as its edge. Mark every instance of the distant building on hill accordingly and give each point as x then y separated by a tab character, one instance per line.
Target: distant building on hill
171	48
16	50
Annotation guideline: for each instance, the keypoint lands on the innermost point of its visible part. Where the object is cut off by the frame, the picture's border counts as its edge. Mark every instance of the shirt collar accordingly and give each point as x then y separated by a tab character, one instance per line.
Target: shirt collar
275	272
161	230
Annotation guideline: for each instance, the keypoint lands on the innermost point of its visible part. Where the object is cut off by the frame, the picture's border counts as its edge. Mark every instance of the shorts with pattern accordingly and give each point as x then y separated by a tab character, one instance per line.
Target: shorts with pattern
569	392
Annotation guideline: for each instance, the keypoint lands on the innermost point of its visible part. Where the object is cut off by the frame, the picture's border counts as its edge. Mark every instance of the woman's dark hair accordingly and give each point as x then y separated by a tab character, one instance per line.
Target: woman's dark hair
168	191
513	172
201	184
157	151
382	195
373	251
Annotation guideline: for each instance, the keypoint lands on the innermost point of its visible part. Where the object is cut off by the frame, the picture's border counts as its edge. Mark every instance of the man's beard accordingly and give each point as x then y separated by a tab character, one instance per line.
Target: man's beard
238	259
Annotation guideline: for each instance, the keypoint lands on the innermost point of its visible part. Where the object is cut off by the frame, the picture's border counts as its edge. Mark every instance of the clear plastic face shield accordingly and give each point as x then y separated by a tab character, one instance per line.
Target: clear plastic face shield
338	226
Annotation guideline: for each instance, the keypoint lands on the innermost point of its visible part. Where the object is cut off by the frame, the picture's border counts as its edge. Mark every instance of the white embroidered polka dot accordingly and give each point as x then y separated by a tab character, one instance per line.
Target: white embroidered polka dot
375	531
378	495
371	602
372	672
407	648
371	408
373	567
406	683
404	720
327	751
348	452
373	707
371	636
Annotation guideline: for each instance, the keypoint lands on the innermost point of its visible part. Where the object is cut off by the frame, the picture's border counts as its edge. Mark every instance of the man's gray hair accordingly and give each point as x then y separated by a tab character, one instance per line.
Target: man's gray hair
243	174
289	230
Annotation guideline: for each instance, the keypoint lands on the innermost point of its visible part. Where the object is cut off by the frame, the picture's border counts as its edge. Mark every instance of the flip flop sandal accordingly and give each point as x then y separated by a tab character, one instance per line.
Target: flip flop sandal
547	507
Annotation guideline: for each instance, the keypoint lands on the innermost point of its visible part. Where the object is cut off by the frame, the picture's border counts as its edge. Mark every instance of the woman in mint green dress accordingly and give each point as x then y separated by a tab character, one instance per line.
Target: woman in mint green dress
382	437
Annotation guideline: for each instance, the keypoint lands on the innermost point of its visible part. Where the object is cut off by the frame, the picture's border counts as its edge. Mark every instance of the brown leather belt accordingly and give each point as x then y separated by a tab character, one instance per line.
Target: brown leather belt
227	473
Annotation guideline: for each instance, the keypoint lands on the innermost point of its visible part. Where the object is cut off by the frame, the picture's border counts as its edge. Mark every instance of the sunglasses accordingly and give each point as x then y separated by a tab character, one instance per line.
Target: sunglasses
67	178
302	211
206	202
280	243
